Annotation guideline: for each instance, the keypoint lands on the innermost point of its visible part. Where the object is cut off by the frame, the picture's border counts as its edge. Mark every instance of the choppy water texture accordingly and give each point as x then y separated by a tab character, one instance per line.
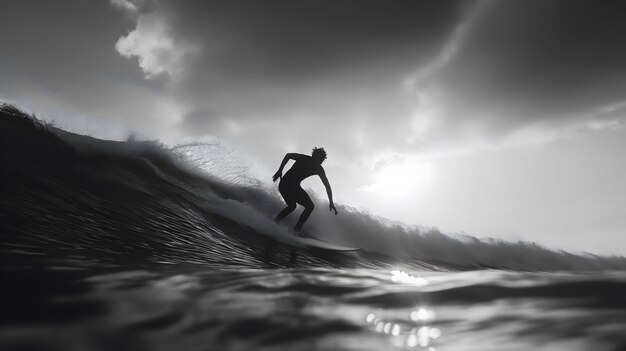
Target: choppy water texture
120	246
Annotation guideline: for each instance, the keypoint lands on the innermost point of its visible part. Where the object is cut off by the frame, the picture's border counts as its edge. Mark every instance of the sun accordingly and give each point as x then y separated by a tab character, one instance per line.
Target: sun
399	180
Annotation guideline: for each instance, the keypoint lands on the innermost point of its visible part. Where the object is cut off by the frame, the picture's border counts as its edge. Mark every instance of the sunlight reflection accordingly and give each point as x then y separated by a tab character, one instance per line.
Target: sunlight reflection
411	341
395	330
413	333
398	276
422	315
425	335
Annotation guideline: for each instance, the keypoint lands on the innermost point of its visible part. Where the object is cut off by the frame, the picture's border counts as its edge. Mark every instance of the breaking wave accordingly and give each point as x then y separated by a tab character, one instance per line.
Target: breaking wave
142	202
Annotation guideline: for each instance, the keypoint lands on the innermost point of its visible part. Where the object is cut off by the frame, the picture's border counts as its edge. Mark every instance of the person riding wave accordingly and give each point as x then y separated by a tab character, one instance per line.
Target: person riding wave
290	189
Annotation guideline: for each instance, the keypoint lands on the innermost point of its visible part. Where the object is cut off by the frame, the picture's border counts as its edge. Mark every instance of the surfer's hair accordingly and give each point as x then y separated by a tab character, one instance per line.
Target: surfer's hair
319	152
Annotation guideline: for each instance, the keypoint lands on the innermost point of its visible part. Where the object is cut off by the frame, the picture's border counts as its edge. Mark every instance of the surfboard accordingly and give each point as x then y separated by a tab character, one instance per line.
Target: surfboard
312	243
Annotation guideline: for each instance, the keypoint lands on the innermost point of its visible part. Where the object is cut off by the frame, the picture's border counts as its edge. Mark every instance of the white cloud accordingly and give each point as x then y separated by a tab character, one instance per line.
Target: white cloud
126	5
134	7
157	52
151	45
451	119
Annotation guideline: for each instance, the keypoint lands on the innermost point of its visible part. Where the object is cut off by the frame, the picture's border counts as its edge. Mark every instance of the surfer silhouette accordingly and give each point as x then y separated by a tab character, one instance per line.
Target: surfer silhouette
290	188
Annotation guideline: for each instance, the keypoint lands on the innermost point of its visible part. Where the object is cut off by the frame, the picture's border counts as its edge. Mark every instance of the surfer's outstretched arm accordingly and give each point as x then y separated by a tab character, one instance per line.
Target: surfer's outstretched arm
329	191
289	156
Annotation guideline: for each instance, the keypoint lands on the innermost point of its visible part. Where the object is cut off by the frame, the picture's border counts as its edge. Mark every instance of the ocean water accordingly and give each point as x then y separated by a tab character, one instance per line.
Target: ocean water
77	303
125	246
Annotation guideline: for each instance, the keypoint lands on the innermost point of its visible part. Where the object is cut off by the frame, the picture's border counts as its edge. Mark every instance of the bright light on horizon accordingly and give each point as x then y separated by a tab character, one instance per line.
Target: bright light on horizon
401	179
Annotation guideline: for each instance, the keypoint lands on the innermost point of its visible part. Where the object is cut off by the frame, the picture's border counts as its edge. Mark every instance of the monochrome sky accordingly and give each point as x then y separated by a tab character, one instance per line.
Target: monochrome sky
497	118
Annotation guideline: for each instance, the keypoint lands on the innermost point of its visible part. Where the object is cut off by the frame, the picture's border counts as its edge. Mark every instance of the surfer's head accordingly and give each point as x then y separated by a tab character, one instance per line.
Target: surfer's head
319	154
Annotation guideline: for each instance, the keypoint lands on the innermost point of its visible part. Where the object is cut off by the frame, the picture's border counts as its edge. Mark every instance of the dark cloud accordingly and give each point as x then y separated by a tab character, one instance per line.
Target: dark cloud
497	66
287	41
326	61
264	67
554	62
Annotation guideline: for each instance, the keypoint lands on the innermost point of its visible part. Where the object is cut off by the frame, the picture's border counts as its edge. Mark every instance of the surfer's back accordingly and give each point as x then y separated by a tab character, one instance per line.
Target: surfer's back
304	167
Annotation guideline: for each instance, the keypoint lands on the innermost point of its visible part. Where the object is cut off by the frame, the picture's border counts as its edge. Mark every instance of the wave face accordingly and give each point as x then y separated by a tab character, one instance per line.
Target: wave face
125	246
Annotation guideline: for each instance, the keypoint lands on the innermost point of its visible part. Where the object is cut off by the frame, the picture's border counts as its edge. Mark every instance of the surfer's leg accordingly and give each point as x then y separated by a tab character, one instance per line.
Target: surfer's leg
287	193
286	211
304	200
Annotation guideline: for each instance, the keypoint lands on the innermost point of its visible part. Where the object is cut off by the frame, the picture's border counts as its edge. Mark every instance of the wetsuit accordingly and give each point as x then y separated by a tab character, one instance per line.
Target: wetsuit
289	185
291	190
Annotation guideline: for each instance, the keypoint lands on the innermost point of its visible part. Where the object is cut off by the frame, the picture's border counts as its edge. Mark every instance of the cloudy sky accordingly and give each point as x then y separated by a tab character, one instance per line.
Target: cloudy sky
495	118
